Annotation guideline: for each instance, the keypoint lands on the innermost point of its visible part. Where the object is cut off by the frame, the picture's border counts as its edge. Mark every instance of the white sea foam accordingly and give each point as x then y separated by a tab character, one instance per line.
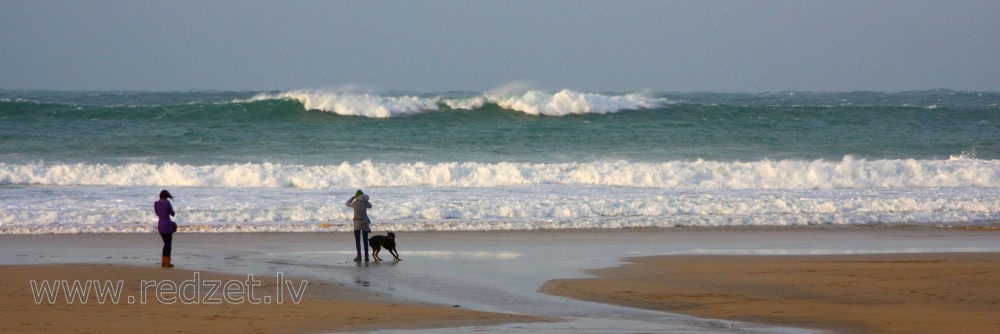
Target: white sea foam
356	104
129	209
75	198
562	103
471	103
567	102
785	174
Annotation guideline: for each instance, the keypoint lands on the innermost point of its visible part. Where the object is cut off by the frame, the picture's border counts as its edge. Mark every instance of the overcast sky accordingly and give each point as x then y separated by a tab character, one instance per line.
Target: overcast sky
433	46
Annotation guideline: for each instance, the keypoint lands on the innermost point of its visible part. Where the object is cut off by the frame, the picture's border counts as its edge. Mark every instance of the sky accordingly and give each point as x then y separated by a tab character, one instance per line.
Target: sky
436	46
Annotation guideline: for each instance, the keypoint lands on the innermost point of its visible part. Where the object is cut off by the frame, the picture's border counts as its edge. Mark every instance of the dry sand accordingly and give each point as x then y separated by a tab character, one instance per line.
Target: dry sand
889	293
323	308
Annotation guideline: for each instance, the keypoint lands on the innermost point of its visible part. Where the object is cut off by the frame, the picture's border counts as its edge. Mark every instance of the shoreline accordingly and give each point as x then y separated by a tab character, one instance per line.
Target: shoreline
884	293
206	229
498	273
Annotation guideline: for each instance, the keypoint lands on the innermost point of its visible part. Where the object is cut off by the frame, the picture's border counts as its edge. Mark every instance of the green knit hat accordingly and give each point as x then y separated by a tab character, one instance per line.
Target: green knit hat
358	193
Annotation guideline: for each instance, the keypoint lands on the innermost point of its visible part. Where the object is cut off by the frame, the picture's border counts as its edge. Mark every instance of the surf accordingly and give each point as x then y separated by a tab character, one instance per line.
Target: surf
561	103
848	173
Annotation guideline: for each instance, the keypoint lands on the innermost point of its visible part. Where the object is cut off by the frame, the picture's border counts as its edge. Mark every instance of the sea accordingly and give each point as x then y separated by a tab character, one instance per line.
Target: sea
509	159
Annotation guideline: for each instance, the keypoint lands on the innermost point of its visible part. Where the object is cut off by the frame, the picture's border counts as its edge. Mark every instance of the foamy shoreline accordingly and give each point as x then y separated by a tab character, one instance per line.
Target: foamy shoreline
479	196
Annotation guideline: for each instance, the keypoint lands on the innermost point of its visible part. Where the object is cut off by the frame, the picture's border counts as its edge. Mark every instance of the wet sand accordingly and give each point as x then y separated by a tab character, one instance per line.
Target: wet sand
494	278
874	293
322	308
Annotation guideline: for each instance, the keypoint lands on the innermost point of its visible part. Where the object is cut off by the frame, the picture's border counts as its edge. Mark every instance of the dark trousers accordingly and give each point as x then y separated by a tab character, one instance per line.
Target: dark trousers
168	239
360	235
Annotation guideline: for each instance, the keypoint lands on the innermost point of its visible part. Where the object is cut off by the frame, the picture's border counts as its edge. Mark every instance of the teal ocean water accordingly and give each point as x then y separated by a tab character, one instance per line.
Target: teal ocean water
284	161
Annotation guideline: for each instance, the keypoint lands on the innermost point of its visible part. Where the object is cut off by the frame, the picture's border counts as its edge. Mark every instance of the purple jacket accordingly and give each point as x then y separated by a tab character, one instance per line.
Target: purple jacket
164	210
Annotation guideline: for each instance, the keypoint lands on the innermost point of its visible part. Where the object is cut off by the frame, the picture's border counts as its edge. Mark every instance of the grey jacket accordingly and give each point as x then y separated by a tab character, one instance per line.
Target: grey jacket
360	206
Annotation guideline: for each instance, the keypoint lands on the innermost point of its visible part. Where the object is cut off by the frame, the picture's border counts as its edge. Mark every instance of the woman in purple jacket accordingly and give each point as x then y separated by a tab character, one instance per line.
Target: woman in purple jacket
166	227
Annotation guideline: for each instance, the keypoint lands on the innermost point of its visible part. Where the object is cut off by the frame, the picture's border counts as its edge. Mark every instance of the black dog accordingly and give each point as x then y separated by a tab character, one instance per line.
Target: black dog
384	241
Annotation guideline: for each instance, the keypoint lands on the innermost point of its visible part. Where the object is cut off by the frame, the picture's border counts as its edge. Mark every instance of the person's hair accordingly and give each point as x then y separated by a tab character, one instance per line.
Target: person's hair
165	194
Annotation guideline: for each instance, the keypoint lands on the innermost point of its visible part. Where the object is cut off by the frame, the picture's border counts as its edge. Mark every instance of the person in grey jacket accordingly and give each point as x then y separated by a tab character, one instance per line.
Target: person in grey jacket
362	225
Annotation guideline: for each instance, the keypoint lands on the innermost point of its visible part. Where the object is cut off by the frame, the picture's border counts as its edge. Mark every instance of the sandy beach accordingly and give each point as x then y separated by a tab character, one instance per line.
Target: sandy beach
322	308
875	293
728	280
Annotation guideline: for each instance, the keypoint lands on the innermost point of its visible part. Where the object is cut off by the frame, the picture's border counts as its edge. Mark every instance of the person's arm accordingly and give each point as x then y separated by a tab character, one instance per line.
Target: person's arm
170	208
349	201
368	205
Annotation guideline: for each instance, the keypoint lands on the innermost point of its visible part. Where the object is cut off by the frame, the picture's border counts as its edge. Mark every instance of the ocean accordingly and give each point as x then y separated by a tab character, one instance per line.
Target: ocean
94	162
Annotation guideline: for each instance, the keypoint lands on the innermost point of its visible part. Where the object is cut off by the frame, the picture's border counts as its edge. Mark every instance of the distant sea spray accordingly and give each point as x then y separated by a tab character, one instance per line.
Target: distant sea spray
561	103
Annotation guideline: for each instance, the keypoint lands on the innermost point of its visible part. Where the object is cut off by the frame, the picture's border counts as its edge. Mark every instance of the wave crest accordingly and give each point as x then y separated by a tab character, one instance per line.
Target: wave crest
567	102
355	104
564	102
786	174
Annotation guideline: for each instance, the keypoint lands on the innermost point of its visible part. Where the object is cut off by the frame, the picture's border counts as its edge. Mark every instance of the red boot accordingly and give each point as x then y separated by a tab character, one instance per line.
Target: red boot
166	262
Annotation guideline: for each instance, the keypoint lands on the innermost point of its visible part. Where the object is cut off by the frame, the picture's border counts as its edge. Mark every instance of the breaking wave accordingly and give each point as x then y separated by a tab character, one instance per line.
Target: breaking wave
564	102
785	174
